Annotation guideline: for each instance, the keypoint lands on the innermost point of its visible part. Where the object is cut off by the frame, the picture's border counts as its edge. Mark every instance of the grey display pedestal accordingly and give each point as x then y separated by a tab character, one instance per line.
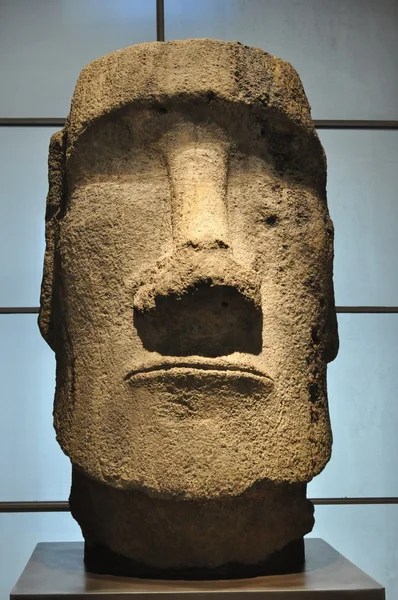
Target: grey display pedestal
56	571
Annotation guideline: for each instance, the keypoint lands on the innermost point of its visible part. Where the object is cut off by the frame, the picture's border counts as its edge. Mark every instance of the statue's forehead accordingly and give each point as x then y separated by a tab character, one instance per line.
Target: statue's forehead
191	70
176	118
197	74
140	127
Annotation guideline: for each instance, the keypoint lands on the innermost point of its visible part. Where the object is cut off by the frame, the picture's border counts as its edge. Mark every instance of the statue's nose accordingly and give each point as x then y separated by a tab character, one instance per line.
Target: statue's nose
198	180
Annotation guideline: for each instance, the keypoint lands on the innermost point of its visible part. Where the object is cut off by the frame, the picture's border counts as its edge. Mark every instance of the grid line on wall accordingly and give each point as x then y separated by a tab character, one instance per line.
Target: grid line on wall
160	20
25	310
319	123
63	506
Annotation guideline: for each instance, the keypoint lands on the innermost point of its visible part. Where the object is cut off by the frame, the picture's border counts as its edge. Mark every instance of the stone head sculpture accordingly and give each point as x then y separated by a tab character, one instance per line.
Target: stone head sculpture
188	296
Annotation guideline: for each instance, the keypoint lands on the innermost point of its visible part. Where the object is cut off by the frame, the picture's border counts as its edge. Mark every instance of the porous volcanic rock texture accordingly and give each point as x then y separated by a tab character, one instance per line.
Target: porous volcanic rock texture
187	293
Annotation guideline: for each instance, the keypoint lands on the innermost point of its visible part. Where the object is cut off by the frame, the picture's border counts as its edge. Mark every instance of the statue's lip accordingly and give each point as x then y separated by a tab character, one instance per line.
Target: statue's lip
198	364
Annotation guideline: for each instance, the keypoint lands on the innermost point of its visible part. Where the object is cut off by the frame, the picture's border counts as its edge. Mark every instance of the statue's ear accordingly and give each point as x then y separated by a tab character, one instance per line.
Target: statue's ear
56	177
332	346
332	343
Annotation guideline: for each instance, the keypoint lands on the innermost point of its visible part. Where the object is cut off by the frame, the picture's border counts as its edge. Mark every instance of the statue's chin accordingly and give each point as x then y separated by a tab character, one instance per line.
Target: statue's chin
193	433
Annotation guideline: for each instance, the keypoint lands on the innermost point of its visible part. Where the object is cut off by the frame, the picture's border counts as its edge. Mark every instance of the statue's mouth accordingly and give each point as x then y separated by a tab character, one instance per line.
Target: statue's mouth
198	366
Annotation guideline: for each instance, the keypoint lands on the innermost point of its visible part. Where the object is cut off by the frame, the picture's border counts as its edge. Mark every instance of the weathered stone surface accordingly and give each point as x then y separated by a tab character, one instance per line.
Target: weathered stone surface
188	296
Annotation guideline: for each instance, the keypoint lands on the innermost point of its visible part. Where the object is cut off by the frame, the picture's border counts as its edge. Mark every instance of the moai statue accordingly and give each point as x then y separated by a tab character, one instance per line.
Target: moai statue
188	296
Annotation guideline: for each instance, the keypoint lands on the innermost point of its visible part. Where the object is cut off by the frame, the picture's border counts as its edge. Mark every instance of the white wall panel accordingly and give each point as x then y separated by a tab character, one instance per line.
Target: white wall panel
32	465
345	52
362	387
44	44
362	196
366	535
19	534
23	189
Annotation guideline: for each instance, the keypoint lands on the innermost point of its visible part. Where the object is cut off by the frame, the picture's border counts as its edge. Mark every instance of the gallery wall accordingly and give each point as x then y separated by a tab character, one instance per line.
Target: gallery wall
346	53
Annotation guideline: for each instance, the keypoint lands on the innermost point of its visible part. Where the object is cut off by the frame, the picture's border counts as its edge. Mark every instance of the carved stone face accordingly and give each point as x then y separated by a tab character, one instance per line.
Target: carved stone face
192	298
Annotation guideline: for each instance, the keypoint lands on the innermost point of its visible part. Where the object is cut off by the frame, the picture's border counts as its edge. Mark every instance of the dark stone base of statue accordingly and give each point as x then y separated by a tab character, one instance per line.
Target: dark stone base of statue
99	559
131	533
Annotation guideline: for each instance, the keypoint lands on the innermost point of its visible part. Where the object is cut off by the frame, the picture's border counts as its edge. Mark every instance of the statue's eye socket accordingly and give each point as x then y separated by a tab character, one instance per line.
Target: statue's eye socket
271	220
